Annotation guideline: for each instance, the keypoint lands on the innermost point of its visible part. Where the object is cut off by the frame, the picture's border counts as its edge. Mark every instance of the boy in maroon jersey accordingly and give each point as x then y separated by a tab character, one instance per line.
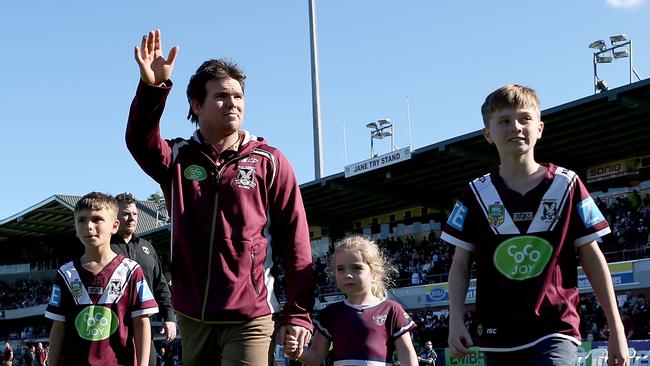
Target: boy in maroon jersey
101	302
524	224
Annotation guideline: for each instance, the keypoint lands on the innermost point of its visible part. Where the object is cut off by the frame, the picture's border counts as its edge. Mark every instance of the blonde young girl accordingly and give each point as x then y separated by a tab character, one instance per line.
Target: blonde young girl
366	328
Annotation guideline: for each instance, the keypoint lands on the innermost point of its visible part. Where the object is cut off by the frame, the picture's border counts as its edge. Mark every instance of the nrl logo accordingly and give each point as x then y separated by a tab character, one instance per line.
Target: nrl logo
496	214
245	178
76	289
379	319
549	210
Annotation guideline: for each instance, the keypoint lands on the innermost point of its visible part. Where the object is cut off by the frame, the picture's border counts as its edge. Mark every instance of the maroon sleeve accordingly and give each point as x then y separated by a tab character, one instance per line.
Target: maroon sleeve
587	222
150	151
464	218
60	300
290	235
400	321
141	300
324	322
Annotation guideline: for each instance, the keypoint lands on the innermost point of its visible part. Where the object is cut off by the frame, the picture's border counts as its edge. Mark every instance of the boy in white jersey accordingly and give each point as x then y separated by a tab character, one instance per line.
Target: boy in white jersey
523	225
100	302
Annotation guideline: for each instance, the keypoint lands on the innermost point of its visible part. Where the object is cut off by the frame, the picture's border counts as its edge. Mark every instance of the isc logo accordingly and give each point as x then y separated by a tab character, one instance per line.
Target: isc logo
491	331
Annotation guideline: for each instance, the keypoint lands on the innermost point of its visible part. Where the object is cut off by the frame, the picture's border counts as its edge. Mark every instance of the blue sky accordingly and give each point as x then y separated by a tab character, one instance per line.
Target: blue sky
68	75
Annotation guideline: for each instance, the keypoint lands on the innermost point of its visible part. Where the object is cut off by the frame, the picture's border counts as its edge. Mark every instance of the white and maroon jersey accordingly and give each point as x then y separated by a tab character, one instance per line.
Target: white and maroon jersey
98	311
363	334
525	252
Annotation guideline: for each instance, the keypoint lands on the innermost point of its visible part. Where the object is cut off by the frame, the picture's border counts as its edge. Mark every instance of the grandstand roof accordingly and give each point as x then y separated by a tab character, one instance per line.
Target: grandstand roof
597	129
54	216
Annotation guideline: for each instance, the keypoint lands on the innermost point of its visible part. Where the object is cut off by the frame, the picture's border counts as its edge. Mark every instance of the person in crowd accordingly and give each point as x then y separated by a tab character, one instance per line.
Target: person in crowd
428	356
100	302
235	206
524	224
8	355
41	355
127	243
365	328
30	356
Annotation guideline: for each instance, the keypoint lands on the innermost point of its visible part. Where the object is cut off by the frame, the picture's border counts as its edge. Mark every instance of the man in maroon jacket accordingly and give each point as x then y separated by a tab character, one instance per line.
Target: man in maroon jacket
236	207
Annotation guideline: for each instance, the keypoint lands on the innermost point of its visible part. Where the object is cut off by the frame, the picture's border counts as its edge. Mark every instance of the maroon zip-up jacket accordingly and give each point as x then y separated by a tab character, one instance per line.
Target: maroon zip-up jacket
230	213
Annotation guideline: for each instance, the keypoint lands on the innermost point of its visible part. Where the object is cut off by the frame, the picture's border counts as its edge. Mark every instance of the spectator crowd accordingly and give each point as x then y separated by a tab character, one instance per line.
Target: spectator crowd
24	293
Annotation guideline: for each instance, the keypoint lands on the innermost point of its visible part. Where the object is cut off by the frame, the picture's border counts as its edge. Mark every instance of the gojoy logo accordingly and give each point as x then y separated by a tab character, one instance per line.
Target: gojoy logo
195	172
96	323
522	257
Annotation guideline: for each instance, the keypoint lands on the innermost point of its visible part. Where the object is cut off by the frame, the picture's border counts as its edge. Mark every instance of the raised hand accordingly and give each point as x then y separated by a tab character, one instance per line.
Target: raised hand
154	69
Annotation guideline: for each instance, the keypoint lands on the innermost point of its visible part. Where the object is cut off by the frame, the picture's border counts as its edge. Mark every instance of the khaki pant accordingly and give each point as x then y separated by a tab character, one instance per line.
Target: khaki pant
226	344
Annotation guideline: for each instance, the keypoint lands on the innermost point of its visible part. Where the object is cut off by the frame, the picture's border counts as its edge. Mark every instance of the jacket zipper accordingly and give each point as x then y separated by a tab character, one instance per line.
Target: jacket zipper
257	290
214	225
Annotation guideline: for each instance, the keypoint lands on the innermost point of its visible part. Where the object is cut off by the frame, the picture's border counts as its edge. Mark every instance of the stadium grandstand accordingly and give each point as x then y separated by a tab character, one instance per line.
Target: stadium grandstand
36	242
603	137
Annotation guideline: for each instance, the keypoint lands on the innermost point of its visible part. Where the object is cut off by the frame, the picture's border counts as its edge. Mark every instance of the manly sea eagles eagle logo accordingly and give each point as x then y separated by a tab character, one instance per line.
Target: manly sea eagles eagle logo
115	287
379	319
245	178
549	210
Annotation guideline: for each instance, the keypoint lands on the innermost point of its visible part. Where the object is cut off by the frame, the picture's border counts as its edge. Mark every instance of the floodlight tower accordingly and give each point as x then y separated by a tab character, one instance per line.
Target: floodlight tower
621	47
378	130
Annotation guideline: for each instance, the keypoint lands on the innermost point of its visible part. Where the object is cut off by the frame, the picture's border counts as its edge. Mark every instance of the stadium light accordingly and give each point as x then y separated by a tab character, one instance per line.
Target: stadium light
621	47
604	59
598	45
621	54
378	130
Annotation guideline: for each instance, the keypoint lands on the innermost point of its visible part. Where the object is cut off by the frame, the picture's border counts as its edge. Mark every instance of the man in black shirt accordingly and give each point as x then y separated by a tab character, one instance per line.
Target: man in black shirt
127	243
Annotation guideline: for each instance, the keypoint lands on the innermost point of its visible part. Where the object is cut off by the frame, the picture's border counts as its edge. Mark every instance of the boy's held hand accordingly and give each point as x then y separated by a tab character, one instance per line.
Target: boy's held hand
459	340
292	347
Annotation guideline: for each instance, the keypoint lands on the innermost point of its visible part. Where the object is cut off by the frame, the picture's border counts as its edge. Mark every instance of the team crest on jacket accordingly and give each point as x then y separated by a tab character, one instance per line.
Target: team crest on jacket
245	178
379	319
146	250
496	214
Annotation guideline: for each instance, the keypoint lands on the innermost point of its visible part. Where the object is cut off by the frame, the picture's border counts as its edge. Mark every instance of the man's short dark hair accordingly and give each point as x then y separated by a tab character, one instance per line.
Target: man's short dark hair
212	69
125	198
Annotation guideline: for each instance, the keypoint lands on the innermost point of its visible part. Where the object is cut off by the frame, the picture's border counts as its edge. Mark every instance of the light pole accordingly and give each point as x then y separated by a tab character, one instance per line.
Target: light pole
378	130
315	93
621	47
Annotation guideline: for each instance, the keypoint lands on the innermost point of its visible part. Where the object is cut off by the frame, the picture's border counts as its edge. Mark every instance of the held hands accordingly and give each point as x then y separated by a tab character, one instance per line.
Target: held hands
154	69
294	338
292	347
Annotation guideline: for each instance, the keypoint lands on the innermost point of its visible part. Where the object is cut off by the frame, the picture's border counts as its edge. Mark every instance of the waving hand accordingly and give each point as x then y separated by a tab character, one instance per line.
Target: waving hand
154	69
